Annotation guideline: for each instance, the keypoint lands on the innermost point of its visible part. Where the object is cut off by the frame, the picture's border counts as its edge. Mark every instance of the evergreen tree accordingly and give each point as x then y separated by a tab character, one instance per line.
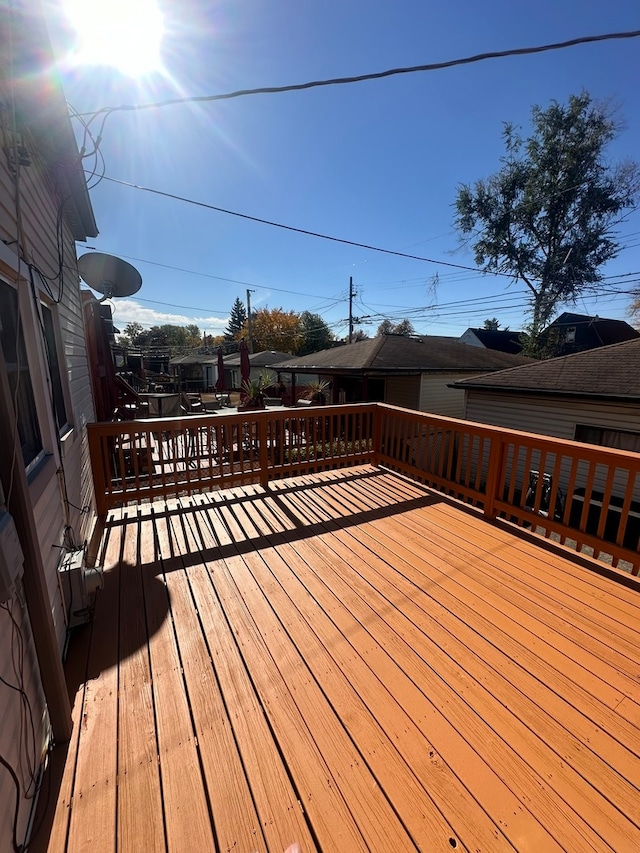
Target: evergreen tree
316	335
237	319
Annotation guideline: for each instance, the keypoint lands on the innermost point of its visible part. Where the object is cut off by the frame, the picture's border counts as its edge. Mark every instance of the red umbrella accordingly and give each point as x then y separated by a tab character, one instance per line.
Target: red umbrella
220	386
245	364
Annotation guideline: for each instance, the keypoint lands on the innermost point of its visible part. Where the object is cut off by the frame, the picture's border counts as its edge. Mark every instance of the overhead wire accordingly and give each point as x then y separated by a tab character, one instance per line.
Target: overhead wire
360	78
297	230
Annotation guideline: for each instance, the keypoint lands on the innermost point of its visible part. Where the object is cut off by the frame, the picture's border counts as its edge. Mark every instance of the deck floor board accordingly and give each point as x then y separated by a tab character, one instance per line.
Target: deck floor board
353	662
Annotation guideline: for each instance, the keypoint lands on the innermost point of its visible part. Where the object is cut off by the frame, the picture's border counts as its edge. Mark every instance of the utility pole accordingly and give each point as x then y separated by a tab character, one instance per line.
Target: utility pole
351	295
249	321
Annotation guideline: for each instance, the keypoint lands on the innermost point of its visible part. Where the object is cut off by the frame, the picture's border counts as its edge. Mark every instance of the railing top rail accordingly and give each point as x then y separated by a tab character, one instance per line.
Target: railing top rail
547	442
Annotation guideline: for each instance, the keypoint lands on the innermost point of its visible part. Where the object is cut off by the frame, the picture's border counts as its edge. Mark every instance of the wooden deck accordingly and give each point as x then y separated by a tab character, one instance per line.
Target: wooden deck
352	662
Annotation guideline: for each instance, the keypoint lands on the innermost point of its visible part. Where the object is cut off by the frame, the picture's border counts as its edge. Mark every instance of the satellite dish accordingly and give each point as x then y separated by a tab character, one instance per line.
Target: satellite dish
109	275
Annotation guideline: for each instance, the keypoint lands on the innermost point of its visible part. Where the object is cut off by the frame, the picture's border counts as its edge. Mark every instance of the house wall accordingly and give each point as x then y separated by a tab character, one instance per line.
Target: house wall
403	391
437	398
65	468
549	416
21	747
470	339
38	212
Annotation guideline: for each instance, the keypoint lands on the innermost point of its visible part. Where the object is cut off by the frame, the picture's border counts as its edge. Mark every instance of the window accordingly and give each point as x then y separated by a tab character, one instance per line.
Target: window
619	438
570	335
15	356
59	407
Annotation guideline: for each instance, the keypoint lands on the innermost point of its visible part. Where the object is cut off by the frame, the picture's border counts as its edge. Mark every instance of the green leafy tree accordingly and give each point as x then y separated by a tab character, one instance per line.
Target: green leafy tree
316	335
491	325
170	337
237	320
132	332
193	337
548	216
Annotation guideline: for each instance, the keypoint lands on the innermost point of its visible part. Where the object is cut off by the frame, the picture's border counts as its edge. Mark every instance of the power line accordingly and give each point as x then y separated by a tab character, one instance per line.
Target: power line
303	230
202	274
376	75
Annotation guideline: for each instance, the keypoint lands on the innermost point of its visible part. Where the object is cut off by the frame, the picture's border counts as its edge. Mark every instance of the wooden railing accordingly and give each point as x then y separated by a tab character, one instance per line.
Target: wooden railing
153	458
580	495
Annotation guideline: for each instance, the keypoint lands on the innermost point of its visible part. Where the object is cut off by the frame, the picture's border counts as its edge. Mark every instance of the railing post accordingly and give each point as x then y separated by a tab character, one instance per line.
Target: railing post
376	435
263	452
494	475
97	469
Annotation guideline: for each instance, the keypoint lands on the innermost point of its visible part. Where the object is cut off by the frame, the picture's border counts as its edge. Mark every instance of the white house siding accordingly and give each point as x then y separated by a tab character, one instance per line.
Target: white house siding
470	339
437	398
403	391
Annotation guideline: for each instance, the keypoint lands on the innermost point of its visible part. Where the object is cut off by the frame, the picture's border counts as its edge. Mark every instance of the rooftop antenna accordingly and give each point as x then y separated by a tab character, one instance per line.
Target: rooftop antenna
109	275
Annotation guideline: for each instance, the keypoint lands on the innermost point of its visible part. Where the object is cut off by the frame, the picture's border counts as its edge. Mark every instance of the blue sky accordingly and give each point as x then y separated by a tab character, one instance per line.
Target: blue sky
375	162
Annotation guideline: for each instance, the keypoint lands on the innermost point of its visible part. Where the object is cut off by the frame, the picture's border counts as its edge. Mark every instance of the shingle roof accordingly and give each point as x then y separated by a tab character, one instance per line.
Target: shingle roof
258	359
502	340
593	332
400	354
611	372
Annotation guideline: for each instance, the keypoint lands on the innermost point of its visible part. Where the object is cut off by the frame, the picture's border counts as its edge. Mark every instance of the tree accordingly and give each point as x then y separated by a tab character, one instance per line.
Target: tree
170	337
359	335
404	327
548	216
491	325
316	335
385	328
132	332
194	337
237	319
275	329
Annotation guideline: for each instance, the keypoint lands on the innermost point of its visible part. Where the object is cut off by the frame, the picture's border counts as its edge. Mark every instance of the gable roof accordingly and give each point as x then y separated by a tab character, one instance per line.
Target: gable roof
502	340
403	355
611	372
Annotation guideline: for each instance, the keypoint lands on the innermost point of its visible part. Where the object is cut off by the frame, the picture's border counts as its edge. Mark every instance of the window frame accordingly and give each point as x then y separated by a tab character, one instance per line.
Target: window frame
30	397
54	360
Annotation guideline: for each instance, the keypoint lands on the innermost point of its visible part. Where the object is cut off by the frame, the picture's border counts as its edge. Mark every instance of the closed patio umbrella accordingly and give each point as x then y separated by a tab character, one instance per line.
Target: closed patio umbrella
220	384
245	364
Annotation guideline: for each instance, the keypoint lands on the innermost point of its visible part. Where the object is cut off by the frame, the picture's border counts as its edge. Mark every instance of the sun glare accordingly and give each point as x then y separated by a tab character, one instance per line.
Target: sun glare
125	34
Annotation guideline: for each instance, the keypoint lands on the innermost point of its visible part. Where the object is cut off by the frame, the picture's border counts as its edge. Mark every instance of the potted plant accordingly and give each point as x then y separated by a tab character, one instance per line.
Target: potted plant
316	392
253	391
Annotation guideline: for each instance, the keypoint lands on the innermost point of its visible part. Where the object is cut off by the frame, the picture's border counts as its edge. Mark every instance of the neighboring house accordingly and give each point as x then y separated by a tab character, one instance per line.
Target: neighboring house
190	372
404	371
567	334
571	333
591	396
45	400
199	371
260	362
501	340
